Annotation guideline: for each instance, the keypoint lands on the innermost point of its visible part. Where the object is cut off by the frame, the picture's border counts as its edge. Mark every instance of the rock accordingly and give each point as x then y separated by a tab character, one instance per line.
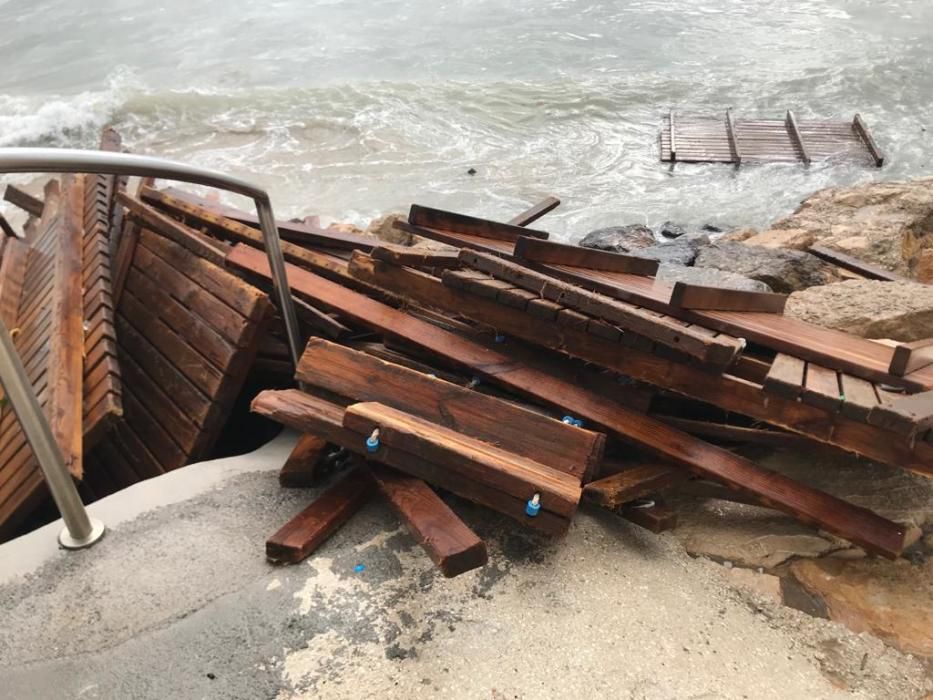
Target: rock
345	228
383	229
889	224
891	599
710	228
671	230
782	270
798	239
739	234
682	251
872	309
766	585
708	277
619	239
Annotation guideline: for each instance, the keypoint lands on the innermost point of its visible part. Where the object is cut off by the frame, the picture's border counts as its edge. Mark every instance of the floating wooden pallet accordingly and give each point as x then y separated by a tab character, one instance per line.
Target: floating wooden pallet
729	140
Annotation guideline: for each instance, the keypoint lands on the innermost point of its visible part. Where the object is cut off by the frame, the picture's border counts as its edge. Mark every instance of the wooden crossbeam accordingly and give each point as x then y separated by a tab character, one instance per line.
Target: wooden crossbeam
529	216
25	201
537	250
852	264
300	469
416	257
794	131
909	415
692	296
861	128
6	229
909	357
428	217
632	481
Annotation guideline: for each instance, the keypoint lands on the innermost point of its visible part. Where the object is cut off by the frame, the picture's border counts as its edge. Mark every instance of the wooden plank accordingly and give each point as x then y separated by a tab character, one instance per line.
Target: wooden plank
536	250
12	279
307	413
471	458
909	357
794	131
427	217
908	415
718	352
6	229
692	296
822	388
735	433
123	259
631	482
194	241
853	264
858	396
300	469
361	377
25	201
304	533
786	376
672	138
809	505
451	545
416	257
320	321
861	128
654	515
532	214
733	138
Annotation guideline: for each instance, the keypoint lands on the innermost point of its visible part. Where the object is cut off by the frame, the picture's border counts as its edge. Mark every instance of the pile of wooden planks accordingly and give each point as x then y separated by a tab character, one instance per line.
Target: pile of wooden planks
526	376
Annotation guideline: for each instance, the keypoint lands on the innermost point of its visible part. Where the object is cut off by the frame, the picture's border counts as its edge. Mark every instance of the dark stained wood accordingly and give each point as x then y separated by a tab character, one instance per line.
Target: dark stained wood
300	469
25	201
123	259
529	216
452	546
852	264
909	357
718	352
807	504
307	413
796	137
308	530
907	415
691	296
416	257
537	250
12	278
786	376
861	128
328	326
735	433
858	396
426	217
6	229
631	482
654	515
822	388
361	377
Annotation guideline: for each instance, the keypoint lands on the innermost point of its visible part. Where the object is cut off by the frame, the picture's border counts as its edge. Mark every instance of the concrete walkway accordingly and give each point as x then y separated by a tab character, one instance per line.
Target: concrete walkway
178	602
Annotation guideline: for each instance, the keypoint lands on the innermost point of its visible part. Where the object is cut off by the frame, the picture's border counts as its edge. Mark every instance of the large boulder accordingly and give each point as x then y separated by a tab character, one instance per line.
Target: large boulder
869	308
708	277
620	239
783	271
886	223
680	251
384	229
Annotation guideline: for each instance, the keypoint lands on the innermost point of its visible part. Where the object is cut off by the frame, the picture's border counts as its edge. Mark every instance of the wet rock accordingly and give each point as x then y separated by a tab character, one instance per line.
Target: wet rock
682	251
620	239
383	229
783	270
872	309
886	223
671	230
891	599
708	277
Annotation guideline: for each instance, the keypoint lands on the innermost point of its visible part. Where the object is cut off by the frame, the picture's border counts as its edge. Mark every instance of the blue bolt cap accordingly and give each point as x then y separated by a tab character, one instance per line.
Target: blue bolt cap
569	420
372	444
578	422
532	508
500	338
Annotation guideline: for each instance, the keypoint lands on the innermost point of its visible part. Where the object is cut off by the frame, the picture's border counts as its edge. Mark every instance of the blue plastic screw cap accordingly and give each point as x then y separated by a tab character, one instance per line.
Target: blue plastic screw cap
569	420
500	338
372	442
578	422
533	506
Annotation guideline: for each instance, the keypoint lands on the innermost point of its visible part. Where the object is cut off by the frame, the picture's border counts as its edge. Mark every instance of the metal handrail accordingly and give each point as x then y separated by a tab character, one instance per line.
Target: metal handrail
80	530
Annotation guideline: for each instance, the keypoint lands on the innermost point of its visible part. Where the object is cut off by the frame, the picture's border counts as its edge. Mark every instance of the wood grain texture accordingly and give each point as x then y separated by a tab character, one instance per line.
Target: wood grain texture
909	357
307	531
451	545
416	257
632	481
438	219
853	264
25	201
907	415
300	469
786	376
532	214
537	250
691	296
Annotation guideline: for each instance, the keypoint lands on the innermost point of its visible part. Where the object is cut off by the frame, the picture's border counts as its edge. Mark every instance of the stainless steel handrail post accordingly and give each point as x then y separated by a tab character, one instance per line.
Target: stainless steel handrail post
80	530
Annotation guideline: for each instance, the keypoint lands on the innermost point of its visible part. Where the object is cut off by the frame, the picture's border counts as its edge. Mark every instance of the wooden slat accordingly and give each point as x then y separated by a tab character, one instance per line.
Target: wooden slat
852	264
452	546
532	214
733	138
361	377
808	505
439	219
536	250
796	137
6	229
735	433
196	242
12	279
656	516
821	388
909	357
691	296
908	415
25	201
858	396
632	481
786	376
308	530
416	257
300	469
861	128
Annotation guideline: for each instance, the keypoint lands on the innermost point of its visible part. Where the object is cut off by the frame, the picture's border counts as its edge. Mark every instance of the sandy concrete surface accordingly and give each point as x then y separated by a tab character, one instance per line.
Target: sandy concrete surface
178	602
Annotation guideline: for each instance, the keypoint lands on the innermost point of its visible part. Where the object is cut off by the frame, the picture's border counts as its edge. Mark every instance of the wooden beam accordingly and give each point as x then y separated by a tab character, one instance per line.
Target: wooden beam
300	469
529	216
304	533
632	481
25	201
735	433
821	388
733	138
692	296
320	321
451	545
852	264
909	415
786	376
536	250
6	229
670	121
909	357
795	136
416	257
654	515
427	217
808	505
861	128
361	377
